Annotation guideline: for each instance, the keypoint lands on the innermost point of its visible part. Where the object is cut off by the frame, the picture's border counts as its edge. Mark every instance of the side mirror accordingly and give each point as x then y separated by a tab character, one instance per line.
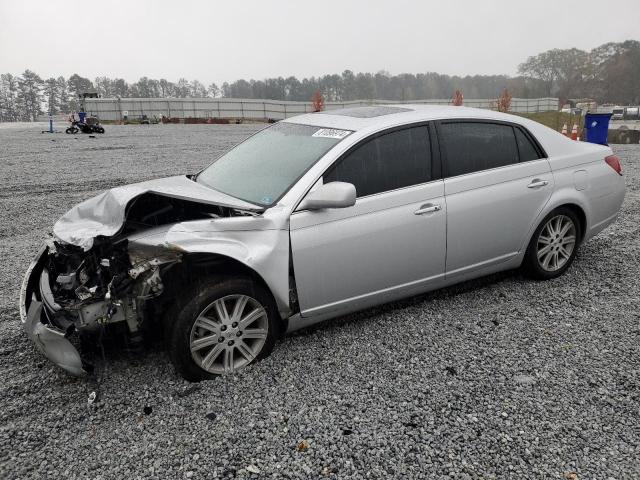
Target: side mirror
330	195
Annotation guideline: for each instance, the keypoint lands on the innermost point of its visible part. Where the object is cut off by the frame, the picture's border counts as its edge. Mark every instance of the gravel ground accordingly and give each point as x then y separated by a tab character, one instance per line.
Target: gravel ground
496	378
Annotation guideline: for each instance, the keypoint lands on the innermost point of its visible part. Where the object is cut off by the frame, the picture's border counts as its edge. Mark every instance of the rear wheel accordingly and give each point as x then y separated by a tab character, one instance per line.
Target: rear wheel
71	130
224	325
554	245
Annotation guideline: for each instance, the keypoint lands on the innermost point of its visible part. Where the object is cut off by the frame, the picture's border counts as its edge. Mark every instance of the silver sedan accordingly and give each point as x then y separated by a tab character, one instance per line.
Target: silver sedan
314	217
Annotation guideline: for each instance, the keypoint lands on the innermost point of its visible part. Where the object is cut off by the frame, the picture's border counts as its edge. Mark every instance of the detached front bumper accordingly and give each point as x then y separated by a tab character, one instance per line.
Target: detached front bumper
36	303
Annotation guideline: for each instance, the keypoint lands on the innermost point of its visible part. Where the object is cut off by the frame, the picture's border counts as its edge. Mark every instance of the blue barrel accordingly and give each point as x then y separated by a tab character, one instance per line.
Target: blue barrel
83	114
596	127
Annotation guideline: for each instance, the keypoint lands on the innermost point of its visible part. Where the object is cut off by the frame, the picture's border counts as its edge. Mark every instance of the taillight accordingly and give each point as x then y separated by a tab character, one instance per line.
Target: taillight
614	162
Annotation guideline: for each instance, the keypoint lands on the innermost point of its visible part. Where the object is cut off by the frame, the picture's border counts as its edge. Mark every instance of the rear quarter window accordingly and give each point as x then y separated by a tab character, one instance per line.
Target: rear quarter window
527	150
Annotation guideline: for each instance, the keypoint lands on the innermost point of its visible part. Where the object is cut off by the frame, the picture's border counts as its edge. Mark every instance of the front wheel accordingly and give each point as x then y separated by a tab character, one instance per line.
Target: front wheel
223	326
71	130
554	245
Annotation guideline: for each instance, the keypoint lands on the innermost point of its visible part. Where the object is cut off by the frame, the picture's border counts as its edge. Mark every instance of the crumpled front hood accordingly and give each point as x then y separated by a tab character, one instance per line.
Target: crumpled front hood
104	214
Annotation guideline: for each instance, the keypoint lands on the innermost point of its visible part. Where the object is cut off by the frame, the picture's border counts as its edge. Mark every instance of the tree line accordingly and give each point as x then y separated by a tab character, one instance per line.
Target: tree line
608	73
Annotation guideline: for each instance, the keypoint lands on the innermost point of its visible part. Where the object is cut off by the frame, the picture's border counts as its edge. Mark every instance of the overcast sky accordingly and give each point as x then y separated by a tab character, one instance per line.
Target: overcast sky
223	41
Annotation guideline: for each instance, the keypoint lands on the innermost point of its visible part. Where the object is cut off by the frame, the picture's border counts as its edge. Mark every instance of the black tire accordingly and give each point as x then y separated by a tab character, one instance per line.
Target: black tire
534	266
99	130
71	130
179	320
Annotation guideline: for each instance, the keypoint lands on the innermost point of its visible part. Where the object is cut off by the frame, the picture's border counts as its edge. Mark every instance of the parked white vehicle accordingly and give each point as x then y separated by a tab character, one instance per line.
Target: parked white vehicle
632	113
617	113
314	217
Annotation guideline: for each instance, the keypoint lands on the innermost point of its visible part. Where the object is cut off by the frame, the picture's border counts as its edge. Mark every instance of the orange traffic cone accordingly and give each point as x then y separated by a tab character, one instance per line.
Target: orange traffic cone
564	130
574	132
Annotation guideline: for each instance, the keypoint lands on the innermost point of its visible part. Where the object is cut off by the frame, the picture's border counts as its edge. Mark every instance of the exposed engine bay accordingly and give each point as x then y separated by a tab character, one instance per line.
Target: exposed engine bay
112	281
104	285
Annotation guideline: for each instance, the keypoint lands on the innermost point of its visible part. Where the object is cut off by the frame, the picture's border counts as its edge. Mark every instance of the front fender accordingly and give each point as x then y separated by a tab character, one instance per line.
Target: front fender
266	252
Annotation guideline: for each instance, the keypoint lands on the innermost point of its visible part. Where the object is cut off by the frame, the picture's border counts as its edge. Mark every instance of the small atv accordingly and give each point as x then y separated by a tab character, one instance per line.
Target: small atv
92	125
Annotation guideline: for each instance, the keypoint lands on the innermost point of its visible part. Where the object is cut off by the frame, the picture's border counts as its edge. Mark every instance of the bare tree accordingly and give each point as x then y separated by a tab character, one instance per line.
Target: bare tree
141	89
458	98
197	89
317	101
560	70
213	90
226	90
503	103
154	87
615	72
104	86
182	88
120	88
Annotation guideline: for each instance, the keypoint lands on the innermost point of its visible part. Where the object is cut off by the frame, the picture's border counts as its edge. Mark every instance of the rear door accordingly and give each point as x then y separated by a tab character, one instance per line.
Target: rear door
497	180
390	243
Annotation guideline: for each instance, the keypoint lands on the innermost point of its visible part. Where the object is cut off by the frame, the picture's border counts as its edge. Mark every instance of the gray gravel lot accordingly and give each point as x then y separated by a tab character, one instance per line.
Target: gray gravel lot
496	378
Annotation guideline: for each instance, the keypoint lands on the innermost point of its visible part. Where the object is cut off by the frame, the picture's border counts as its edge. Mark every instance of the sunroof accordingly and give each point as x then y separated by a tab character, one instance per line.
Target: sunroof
367	112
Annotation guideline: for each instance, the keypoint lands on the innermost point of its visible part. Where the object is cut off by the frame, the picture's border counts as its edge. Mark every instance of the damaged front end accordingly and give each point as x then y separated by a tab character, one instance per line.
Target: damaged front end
121	257
68	290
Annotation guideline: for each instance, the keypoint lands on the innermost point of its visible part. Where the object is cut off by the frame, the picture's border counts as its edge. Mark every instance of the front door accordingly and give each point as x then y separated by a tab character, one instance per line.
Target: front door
391	243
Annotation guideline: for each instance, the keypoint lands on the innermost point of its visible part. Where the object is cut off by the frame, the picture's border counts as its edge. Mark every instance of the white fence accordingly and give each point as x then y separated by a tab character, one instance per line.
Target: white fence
115	109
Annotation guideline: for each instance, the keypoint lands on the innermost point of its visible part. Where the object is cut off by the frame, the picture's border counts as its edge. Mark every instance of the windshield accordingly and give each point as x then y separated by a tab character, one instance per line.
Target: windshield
262	168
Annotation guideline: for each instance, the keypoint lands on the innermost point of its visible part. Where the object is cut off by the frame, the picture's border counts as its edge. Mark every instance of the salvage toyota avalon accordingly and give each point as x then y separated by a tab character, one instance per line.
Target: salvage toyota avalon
314	217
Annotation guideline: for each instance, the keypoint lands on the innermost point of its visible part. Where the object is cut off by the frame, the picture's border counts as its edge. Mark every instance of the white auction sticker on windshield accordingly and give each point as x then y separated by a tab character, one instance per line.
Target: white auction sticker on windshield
331	133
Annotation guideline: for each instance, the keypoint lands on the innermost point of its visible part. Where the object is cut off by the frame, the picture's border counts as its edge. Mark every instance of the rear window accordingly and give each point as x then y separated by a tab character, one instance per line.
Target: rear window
475	146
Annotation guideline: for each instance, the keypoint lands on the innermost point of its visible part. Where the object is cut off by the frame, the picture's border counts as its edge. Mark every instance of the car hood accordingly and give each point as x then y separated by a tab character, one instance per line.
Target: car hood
104	214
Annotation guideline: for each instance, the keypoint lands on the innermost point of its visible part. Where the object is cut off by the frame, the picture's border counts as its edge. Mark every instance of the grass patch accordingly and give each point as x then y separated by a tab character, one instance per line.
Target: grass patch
556	120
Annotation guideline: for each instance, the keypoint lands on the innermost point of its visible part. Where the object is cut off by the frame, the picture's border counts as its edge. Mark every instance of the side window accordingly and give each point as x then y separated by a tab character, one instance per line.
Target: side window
474	146
526	148
390	161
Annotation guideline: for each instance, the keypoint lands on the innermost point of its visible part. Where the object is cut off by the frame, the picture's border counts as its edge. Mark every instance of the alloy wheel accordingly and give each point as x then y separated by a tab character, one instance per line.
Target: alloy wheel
556	243
228	334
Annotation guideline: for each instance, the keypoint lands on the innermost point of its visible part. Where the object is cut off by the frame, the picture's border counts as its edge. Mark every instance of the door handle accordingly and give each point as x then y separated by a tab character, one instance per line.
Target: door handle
427	208
535	183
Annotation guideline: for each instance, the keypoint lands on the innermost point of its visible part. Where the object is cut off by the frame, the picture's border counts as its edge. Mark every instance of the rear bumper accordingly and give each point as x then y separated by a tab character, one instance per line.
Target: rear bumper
36	301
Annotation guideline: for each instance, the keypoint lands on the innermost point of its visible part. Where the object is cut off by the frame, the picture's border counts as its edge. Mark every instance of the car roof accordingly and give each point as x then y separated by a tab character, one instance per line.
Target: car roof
376	117
371	119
